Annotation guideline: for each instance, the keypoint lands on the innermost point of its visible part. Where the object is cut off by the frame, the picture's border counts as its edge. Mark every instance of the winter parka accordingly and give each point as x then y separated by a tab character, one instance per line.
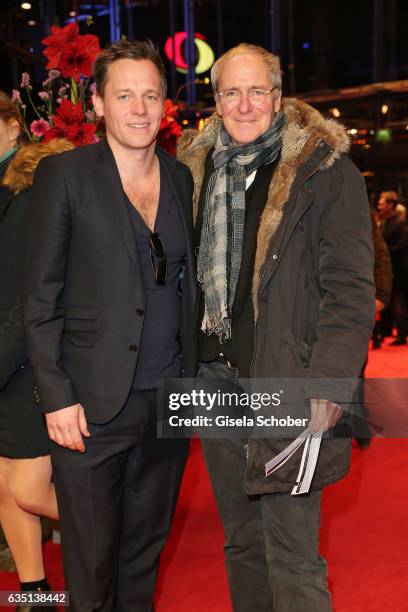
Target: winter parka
313	291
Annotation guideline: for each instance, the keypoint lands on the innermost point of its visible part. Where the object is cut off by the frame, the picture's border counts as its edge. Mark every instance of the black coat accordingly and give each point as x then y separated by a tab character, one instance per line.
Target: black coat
83	296
382	266
4	191
12	350
22	431
395	233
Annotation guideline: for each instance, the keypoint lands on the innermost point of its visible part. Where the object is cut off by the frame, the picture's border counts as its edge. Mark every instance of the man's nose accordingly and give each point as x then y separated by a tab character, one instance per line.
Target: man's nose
138	106
245	105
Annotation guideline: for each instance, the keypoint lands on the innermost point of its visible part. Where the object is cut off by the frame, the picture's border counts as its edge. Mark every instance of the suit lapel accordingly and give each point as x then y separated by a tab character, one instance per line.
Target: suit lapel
111	191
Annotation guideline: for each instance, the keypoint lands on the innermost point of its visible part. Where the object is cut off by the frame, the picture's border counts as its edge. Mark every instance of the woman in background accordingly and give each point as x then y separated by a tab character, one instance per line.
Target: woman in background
26	491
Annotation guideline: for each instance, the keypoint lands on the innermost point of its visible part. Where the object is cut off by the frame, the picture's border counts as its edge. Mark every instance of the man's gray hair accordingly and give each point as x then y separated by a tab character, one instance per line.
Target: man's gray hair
272	61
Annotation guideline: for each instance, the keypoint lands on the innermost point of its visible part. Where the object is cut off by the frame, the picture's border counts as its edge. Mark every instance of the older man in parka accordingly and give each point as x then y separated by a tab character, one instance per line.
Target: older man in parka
285	266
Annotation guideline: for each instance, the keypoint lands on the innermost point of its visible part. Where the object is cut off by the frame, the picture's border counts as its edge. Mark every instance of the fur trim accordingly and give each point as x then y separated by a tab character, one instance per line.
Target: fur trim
304	130
20	171
192	149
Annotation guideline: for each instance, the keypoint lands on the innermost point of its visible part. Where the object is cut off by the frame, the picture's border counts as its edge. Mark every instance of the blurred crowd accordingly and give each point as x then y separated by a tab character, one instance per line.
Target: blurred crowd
390	217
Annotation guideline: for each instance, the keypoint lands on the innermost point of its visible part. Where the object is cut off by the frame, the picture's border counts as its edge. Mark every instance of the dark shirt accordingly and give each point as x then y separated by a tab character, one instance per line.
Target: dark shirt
159	350
239	348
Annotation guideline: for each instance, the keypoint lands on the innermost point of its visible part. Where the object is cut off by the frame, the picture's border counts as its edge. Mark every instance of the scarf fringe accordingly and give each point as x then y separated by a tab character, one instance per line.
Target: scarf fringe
219	324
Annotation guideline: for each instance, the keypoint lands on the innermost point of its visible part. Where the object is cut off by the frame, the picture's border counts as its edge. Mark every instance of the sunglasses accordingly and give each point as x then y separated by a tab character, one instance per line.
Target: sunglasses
157	248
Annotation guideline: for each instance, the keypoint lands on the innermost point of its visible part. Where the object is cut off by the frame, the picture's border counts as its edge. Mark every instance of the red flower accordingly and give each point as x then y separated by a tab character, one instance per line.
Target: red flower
69	123
70	52
69	112
170	126
62	36
168	134
170	130
170	109
59	39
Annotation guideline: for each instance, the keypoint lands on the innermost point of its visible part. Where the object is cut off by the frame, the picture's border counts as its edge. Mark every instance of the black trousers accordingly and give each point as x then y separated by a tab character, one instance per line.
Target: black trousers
116	502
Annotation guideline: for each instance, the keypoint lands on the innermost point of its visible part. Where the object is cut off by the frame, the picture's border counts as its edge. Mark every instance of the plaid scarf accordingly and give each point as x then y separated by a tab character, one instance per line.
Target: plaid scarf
222	234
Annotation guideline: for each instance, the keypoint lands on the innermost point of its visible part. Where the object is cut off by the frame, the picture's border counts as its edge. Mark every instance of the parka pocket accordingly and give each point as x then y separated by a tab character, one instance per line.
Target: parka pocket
302	353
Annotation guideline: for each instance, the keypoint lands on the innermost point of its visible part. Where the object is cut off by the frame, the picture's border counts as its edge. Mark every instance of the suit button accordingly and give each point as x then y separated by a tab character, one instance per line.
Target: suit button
140	312
133	348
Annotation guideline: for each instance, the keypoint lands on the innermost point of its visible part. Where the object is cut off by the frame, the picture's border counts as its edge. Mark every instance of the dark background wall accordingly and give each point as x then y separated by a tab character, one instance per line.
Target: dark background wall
323	43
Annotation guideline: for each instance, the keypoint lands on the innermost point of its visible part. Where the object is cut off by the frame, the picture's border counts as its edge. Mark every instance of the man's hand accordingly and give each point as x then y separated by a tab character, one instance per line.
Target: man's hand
323	415
65	427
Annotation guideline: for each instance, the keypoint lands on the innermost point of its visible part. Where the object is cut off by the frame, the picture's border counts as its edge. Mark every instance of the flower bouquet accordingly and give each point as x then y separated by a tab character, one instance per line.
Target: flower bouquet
64	107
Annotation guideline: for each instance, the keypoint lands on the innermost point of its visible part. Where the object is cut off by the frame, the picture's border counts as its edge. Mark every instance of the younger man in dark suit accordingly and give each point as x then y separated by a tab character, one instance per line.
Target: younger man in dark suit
109	235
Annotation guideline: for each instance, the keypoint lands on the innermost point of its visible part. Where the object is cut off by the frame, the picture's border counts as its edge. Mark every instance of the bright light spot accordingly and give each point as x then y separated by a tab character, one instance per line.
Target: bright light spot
335	112
384	109
352	131
31	22
184	122
26	6
201	124
206	81
306	45
72	14
372	131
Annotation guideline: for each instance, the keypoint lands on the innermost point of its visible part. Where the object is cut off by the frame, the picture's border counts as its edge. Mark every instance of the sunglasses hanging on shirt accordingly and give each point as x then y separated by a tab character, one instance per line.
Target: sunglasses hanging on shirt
157	250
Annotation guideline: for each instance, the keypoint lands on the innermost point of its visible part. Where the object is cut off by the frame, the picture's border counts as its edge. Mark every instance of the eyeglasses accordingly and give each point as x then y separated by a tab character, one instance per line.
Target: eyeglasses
256	96
157	248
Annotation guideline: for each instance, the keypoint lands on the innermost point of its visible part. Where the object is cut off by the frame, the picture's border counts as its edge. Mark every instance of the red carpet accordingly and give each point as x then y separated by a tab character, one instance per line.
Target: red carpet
364	530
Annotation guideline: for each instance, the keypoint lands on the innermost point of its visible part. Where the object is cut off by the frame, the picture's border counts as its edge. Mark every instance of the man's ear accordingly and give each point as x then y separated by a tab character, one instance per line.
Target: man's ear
97	102
278	102
218	105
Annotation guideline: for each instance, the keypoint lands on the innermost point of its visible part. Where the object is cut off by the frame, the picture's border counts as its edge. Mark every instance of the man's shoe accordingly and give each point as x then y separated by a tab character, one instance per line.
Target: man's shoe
398	342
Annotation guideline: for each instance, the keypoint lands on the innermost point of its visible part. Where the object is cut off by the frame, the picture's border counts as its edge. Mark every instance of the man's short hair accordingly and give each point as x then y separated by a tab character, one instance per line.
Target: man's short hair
390	196
135	50
272	61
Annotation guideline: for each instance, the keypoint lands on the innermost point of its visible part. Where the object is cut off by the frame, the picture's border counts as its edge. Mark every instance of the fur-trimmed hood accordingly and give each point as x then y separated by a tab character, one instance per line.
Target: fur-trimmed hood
304	130
20	172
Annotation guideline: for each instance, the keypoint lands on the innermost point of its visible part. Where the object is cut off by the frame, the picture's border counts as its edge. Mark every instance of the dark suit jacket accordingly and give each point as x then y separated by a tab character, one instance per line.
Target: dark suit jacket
83	297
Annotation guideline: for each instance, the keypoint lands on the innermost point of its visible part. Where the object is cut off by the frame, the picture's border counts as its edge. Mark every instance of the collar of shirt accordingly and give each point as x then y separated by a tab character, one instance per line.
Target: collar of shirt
250	179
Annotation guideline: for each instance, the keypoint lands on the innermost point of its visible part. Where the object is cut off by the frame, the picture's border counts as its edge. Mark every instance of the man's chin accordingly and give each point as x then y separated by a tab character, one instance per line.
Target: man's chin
140	144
